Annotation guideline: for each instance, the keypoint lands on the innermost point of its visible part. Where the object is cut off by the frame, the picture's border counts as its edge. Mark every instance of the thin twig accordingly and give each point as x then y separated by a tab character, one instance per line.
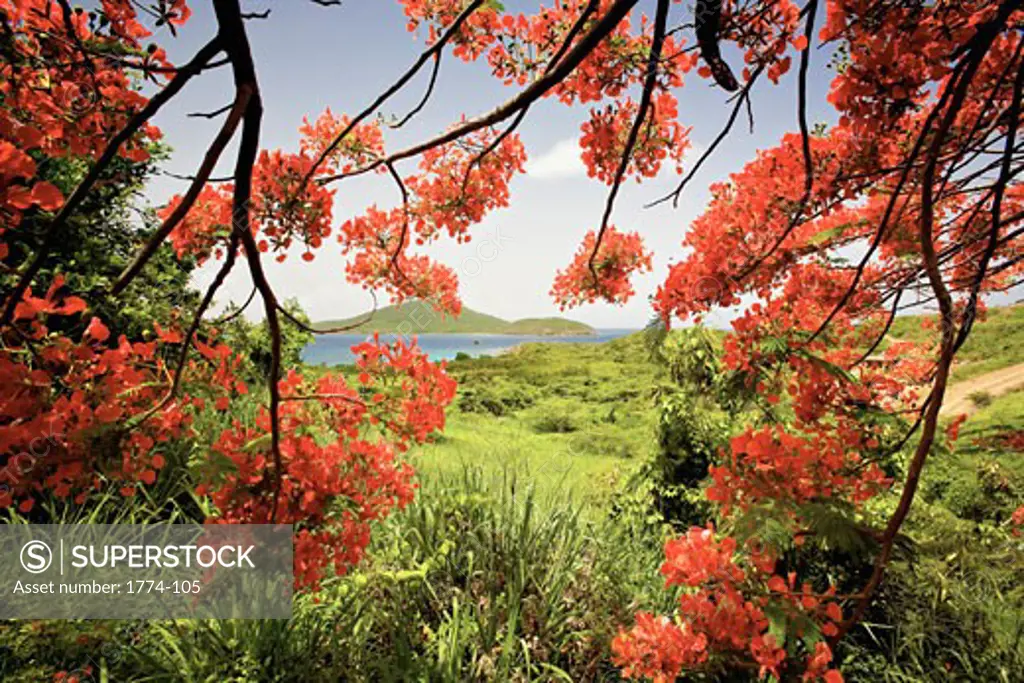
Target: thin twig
805	143
426	95
237	312
186	344
211	114
387	94
744	94
569	37
329	330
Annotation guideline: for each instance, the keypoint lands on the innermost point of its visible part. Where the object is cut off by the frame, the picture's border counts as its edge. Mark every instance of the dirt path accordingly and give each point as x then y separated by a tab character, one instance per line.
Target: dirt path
995	383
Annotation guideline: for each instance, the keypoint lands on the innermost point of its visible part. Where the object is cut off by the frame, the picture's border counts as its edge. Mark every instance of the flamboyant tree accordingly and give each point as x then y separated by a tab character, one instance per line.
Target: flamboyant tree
914	191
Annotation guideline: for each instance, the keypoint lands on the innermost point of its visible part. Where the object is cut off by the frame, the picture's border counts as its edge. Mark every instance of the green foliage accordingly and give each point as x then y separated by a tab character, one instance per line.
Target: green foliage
954	609
538	532
954	614
573	417
99	241
982	480
690	357
253	340
499	397
697	408
558	416
689	439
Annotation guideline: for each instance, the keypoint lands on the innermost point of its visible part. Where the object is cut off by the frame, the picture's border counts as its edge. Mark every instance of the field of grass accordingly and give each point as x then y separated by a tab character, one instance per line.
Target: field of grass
417	317
569	419
981	478
570	423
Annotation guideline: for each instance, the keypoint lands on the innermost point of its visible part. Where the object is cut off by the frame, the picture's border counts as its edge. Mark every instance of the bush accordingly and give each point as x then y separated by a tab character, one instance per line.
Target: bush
497	398
981	398
608	440
556	423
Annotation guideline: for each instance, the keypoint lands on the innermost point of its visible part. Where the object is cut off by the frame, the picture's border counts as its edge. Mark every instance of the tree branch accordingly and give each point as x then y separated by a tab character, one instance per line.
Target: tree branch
395	87
650	82
525	98
243	97
744	94
980	45
708	16
236	44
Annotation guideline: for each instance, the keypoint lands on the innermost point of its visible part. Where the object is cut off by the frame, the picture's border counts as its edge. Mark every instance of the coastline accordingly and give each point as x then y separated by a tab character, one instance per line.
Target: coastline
332	349
370	333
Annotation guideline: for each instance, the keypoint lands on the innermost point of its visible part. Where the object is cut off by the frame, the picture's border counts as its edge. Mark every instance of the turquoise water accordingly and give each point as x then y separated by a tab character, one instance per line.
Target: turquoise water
335	349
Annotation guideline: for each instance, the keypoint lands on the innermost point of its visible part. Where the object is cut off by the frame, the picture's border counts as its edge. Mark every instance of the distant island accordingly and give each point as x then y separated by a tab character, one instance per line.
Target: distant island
417	317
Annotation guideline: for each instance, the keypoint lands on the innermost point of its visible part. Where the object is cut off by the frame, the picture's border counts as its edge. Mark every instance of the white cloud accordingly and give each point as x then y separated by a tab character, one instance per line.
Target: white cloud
561	161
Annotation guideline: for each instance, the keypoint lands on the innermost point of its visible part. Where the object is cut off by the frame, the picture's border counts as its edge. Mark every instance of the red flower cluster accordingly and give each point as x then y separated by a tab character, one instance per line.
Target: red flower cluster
339	443
478	33
360	146
460	183
619	256
70	442
661	136
283	209
716	624
60	102
779	465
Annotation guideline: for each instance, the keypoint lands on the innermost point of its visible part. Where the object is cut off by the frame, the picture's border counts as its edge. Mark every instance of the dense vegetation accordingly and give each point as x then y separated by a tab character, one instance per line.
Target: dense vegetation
417	317
538	528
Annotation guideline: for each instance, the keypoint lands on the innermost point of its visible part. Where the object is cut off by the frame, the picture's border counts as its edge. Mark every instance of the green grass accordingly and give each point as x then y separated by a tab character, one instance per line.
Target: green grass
1000	414
993	344
959	601
417	317
553	463
572	419
473	581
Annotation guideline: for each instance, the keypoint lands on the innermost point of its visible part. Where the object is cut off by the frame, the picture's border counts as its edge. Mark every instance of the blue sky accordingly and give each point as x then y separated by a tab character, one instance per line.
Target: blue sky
310	57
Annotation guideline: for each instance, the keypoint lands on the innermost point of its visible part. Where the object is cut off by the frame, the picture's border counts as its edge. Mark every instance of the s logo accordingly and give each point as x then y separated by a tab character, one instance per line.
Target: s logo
36	557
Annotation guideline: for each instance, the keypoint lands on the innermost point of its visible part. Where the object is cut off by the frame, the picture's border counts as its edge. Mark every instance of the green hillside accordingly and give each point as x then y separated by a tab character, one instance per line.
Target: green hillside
417	317
994	344
547	326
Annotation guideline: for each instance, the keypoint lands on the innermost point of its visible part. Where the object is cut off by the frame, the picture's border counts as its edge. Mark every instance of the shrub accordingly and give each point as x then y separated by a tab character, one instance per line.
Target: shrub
981	398
497	398
555	423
